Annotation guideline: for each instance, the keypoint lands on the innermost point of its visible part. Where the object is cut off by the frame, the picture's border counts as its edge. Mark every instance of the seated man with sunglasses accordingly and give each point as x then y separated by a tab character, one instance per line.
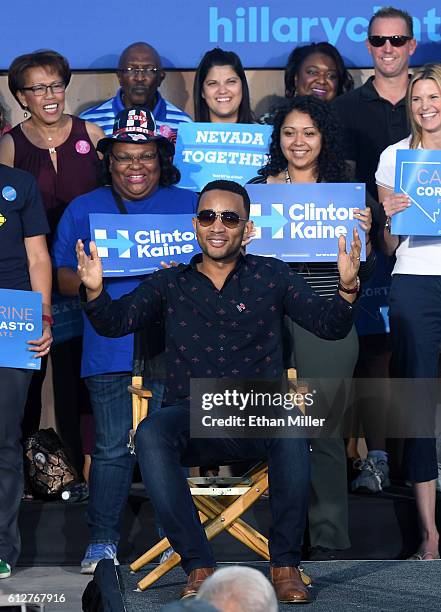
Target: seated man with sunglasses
222	316
140	180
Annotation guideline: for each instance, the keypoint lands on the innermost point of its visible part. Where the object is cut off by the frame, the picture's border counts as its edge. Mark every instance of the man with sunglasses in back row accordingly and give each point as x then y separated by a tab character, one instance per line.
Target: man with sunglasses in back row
140	75
373	117
222	317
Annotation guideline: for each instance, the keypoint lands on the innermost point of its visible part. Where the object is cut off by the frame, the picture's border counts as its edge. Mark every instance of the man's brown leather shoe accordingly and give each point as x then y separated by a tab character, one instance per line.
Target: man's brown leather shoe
288	585
195	580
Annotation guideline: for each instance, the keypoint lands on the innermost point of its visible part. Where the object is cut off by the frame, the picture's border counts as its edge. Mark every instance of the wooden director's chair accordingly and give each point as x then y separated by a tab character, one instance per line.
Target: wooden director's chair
220	501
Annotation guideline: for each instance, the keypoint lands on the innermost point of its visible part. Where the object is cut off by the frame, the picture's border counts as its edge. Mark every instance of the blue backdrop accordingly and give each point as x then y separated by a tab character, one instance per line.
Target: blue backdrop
92	33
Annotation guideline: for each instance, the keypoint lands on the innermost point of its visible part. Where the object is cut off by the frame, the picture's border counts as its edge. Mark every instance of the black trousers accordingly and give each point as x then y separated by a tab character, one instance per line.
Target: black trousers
415	325
14	387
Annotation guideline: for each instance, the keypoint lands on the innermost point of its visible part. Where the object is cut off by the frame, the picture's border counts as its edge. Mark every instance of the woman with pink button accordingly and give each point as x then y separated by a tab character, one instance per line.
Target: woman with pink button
59	151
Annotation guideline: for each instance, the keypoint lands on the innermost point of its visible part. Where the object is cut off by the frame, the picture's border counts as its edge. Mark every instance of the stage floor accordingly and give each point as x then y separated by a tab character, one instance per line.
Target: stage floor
338	585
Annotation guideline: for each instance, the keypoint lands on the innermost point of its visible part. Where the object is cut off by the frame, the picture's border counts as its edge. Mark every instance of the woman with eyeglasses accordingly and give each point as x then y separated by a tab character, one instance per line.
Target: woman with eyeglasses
306	148
140	179
415	302
220	90
59	150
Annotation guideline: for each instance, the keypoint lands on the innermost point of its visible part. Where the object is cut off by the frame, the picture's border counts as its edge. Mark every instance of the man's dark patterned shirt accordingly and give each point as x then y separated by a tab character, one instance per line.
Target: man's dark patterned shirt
235	332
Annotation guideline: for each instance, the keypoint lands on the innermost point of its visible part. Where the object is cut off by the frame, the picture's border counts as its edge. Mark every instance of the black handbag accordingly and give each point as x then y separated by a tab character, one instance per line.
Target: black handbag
48	467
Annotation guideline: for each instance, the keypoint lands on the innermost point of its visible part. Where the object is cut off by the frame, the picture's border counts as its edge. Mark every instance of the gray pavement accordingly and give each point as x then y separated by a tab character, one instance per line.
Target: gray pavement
64	586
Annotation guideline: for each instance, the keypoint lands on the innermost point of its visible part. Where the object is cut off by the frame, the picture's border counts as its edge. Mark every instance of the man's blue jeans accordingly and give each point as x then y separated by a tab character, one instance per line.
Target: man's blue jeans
163	444
112	466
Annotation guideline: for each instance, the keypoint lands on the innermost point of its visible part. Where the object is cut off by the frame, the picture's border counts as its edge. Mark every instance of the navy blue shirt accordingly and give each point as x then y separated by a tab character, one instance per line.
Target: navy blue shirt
235	332
22	216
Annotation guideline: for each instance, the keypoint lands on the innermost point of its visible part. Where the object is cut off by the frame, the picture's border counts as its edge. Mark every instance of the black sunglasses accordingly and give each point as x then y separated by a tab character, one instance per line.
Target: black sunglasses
229	218
398	40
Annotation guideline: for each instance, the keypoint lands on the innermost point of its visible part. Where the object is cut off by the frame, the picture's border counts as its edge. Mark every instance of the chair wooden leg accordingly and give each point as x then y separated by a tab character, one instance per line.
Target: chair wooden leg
158	549
239	529
215	526
159	571
151	554
237	508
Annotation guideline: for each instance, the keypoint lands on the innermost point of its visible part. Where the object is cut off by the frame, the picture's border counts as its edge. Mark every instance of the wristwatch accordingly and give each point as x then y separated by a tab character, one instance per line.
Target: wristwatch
352	290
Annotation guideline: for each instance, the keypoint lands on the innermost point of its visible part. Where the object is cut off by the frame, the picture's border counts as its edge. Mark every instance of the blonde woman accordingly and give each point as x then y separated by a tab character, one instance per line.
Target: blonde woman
415	297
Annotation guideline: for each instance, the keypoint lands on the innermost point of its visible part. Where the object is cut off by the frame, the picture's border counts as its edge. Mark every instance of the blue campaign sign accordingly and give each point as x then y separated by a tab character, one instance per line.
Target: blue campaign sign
92	34
418	174
303	221
20	321
209	151
68	318
133	245
372	305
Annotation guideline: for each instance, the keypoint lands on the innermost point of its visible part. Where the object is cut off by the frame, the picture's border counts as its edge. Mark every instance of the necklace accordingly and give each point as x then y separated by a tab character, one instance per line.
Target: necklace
61	131
287	177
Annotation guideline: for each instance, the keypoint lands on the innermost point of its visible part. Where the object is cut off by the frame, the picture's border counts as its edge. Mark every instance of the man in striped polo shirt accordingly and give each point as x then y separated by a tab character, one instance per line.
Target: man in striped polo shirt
140	74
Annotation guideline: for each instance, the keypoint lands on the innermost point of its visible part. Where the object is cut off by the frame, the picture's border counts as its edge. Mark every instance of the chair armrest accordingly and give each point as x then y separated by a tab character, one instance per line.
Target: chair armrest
140	392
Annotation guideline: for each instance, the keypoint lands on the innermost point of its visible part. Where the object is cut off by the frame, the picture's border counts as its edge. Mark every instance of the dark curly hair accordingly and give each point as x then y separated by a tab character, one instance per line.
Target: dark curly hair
298	56
170	175
219	57
331	165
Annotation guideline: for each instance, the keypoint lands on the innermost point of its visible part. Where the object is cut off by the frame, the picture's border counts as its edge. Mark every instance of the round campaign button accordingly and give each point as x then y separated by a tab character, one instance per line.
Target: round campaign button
82	147
9	193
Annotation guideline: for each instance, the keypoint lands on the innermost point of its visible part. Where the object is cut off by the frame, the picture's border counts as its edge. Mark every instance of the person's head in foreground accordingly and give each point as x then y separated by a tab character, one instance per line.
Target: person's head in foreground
220	90
222	220
137	157
305	143
423	103
239	589
317	70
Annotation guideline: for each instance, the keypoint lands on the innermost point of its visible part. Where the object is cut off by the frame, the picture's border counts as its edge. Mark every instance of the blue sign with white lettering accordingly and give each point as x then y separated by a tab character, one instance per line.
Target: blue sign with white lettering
68	318
373	301
20	321
92	34
209	151
418	174
303	221
133	245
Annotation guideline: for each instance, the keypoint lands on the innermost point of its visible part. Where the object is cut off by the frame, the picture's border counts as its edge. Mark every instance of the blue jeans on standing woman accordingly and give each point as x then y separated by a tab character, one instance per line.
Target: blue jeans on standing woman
111	472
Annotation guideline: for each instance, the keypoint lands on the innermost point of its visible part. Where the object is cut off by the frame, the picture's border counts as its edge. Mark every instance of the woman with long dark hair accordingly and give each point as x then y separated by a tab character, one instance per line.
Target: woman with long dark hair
306	148
220	90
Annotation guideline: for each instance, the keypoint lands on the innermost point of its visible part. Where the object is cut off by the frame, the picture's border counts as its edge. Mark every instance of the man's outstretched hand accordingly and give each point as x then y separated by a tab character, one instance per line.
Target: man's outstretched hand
349	263
90	269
